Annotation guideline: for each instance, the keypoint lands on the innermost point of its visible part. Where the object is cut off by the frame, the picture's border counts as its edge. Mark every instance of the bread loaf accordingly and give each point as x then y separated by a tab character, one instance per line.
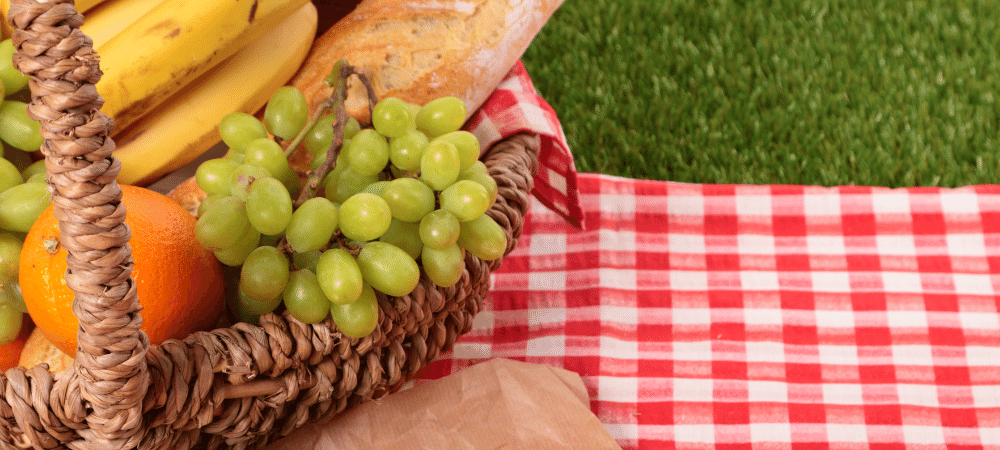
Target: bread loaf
419	50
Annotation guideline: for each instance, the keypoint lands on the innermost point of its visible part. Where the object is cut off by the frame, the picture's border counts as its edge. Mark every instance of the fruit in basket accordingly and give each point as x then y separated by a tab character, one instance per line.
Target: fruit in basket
179	283
361	225
80	5
177	132
174	43
167	91
10	353
38	349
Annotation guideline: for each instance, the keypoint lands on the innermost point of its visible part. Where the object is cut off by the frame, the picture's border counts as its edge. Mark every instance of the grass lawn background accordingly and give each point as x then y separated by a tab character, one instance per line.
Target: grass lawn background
889	93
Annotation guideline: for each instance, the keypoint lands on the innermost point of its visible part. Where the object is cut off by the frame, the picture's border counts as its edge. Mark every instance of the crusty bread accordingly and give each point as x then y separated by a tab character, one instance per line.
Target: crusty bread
38	349
189	195
419	50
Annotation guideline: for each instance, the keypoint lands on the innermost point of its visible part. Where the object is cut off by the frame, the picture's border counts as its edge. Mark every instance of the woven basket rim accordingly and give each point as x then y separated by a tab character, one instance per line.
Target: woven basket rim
238	386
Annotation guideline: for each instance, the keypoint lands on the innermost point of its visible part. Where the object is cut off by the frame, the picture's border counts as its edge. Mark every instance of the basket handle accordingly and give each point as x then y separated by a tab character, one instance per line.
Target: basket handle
110	359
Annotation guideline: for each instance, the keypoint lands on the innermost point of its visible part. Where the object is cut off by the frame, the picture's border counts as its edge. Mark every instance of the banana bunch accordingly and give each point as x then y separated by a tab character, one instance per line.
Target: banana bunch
173	68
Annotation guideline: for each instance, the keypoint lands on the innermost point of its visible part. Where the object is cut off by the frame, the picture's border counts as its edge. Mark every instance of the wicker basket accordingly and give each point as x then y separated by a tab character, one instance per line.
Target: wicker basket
237	387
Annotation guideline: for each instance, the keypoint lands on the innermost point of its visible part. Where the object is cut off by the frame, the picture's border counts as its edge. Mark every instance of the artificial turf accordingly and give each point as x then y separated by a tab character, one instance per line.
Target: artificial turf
885	93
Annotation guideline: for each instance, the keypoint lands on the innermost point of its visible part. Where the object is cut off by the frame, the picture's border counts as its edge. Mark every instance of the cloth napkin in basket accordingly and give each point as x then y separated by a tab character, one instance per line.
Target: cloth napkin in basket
516	107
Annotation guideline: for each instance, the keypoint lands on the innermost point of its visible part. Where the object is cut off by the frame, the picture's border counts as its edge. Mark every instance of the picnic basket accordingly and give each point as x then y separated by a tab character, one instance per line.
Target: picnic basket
236	387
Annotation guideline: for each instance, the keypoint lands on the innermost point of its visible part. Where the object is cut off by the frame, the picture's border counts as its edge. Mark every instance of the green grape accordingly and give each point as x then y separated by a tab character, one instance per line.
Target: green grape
235	156
341	159
409	199
391	117
13	80
249	306
222	225
215	175
340	188
268	154
440	116
339	276
439	229
238	129
269	206
388	268
307	260
11	320
359	318
352	128
483	237
235	255
405	235
467	145
22	204
208	202
286	112
312	225
484	180
304	298
271	240
9	175
376	187
243	176
465	199
32	169
405	151
319	138
264	273
38	178
11	295
414	110
17	129
443	267
364	217
439	165
478	166
10	256
292	182
368	153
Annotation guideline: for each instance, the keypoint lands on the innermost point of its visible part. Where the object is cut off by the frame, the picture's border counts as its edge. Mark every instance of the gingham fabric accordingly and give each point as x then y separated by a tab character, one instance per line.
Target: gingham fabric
515	106
733	316
718	316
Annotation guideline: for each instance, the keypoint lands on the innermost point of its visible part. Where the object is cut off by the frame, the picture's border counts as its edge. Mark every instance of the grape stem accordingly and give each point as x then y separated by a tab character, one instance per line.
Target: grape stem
338	79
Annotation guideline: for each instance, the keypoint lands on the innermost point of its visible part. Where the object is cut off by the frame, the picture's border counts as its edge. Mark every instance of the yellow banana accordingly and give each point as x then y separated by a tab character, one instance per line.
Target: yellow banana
176	42
82	6
110	18
187	125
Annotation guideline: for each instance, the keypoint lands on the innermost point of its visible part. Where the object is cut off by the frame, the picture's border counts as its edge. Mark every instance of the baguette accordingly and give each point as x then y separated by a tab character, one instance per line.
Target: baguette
419	50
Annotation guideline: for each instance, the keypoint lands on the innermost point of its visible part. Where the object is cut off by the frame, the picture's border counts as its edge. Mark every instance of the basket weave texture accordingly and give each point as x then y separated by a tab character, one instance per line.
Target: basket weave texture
237	387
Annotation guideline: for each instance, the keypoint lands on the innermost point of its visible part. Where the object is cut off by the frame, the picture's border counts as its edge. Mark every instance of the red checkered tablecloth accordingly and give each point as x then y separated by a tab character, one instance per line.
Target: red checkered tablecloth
722	316
714	316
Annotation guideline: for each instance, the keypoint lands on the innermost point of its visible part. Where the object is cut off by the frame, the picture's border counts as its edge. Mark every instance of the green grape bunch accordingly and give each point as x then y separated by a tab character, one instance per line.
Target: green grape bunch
23	189
404	198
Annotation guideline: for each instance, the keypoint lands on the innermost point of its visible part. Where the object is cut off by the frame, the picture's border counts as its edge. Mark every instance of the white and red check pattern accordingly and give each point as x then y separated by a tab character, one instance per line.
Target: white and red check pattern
716	316
514	107
734	316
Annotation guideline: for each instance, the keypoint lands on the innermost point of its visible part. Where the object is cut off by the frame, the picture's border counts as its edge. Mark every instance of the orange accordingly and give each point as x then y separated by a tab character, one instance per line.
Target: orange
179	282
10	353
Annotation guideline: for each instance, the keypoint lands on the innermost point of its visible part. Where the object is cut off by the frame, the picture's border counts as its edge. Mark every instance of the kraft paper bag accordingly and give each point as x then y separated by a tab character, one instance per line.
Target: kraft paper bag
498	404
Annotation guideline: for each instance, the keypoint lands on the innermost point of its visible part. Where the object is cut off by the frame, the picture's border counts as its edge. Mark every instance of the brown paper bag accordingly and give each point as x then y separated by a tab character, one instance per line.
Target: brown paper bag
498	404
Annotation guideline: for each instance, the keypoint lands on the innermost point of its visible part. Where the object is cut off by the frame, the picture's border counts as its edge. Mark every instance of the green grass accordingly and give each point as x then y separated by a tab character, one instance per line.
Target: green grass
885	93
